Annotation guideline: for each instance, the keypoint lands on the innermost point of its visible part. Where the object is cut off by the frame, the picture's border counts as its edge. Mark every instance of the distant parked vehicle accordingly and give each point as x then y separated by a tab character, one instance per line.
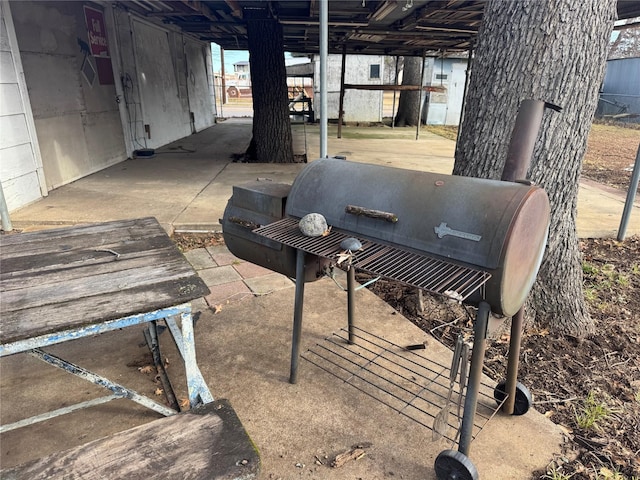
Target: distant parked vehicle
235	91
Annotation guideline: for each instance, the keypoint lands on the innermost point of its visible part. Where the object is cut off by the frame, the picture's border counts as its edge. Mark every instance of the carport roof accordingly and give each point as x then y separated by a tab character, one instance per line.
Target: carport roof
375	27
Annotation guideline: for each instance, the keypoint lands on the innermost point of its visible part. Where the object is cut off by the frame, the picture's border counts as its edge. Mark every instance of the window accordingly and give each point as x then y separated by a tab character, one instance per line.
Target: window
374	70
441	76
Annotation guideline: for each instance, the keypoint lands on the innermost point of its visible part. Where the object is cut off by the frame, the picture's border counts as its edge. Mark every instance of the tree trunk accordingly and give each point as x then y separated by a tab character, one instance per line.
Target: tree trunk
552	50
271	142
408	108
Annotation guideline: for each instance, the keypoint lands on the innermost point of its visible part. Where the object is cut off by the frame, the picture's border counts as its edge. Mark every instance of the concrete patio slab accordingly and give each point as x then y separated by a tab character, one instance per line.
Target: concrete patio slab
244	348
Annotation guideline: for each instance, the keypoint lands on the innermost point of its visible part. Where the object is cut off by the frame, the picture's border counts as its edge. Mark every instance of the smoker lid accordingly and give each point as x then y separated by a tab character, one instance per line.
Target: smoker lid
466	219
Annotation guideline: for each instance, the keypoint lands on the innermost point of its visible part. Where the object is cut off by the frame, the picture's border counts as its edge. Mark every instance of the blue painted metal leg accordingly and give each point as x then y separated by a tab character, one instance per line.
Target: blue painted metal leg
195	370
198	390
56	413
90	330
118	390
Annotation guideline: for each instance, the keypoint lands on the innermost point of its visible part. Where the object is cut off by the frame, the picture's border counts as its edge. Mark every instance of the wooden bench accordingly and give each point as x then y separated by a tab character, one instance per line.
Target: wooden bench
207	442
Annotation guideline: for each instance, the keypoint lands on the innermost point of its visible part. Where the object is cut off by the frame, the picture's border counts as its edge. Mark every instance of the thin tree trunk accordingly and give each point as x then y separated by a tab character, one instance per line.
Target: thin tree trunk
408	108
552	50
271	142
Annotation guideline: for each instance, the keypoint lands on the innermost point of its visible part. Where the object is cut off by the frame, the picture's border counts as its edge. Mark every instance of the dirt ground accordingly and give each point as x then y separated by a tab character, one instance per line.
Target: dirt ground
611	152
590	386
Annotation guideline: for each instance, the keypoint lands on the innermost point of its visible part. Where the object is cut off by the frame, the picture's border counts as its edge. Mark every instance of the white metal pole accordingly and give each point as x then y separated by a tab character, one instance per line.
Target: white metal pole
324	50
4	212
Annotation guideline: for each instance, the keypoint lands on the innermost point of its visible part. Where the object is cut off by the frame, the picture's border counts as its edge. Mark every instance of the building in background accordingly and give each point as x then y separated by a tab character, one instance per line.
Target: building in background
444	108
620	92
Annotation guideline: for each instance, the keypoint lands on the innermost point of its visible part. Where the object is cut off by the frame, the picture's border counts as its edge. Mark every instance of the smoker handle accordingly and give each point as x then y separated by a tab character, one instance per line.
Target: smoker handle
244	223
367	212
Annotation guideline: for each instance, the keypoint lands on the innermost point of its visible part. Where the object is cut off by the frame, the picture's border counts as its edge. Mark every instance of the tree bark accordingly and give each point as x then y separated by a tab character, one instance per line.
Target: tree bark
408	108
271	142
552	50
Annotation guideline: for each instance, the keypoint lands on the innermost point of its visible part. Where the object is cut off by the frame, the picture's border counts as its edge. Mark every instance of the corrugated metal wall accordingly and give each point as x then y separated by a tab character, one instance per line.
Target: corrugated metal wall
621	90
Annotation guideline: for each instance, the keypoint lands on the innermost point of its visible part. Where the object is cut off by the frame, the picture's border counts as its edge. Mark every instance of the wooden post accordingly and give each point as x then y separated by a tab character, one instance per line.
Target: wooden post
341	104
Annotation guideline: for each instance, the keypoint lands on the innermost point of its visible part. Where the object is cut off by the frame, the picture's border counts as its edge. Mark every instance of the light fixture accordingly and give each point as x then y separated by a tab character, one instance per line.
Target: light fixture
385	9
408	5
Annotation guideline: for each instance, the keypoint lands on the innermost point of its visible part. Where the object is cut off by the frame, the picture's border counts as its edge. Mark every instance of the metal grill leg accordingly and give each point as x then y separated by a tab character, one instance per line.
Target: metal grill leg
351	301
475	375
297	316
512	363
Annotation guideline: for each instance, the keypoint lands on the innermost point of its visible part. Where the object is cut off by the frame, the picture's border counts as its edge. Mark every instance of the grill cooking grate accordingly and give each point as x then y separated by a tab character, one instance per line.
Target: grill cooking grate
422	271
407	382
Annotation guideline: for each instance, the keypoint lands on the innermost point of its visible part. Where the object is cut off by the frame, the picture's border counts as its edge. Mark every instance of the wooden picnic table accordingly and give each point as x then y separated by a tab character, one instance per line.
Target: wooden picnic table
67	283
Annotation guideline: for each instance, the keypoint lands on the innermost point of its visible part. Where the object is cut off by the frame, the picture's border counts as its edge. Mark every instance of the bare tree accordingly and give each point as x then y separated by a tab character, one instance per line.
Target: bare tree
552	50
271	142
408	108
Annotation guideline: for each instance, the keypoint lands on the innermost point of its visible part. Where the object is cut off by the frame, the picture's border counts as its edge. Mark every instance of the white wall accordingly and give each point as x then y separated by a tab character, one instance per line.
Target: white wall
166	79
77	122
63	123
200	84
20	165
359	105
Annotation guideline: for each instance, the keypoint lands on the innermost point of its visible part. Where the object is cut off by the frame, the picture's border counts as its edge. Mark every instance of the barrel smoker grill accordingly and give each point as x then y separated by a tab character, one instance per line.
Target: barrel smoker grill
474	240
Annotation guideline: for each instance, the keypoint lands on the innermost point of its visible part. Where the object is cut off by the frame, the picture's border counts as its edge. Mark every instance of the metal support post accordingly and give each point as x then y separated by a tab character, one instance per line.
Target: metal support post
297	316
475	375
324	53
4	212
341	102
631	195
420	96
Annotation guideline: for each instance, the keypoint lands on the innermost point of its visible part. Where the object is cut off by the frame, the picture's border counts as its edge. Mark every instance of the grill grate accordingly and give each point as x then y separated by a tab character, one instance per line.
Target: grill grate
418	270
405	381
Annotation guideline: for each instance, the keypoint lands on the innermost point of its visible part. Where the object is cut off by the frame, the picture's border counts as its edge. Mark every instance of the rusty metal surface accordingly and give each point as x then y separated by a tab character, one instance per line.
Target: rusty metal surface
422	271
489	225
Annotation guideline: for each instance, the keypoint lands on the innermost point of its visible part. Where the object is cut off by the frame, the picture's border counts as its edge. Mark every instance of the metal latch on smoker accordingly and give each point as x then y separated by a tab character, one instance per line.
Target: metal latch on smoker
442	231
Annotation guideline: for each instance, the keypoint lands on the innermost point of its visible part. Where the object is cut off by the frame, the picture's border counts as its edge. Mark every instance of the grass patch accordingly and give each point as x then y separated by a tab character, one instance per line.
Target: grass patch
592	413
446	131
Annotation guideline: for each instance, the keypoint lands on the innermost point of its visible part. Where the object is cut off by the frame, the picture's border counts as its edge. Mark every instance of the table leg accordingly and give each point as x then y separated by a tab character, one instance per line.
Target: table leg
151	336
117	389
185	341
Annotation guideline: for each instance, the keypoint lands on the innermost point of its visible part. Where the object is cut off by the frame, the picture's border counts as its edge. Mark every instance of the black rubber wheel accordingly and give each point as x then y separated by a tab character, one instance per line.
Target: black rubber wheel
453	465
232	92
524	400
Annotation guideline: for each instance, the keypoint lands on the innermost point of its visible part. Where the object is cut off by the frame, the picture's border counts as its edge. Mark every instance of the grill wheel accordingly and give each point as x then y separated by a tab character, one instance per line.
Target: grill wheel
454	465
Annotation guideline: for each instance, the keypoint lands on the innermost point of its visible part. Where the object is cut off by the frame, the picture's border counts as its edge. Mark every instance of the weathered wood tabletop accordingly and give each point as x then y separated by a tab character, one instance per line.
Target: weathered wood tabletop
54	280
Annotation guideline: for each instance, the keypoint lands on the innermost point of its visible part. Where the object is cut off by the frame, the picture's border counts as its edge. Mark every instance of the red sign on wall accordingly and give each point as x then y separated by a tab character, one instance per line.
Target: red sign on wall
98	44
97	32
